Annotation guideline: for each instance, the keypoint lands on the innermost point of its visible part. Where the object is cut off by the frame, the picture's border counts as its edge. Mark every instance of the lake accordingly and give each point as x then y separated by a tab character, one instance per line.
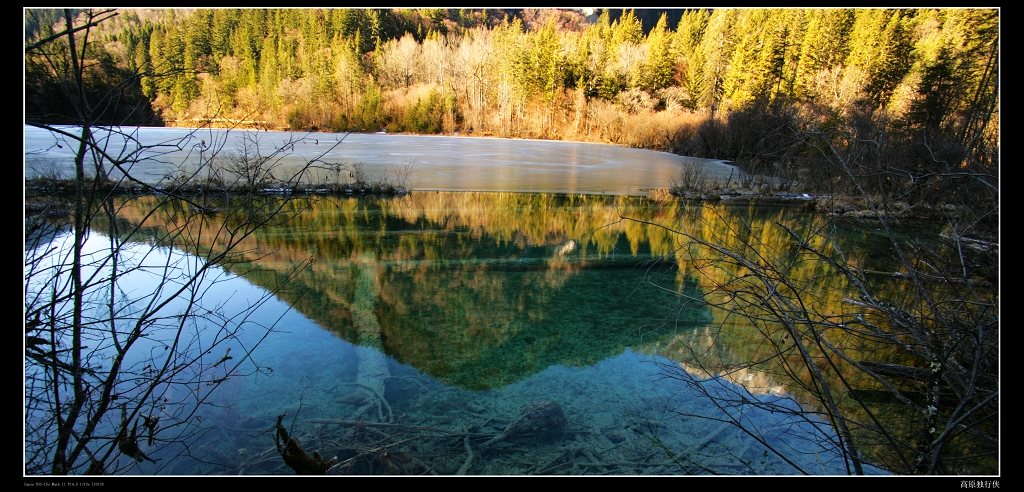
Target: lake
411	322
436	162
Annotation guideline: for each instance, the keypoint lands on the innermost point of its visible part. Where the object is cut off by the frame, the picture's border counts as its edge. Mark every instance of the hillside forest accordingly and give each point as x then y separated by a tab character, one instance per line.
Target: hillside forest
779	91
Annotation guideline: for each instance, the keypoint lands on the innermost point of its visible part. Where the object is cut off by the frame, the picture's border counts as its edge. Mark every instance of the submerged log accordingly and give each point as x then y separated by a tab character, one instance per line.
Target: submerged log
128	443
377	461
884	396
541	421
950	379
295	457
897	370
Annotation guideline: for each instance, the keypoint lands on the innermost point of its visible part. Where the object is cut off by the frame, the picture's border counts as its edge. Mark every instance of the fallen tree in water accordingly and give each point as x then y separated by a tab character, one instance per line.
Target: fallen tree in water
295	457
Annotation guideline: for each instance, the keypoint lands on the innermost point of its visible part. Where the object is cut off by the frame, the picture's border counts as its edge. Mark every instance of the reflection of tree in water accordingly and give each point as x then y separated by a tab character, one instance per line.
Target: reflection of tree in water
478	289
750	340
438	257
484	289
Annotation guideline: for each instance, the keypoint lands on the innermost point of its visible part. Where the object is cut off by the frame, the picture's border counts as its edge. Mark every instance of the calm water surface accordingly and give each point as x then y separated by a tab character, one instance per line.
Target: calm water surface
421	318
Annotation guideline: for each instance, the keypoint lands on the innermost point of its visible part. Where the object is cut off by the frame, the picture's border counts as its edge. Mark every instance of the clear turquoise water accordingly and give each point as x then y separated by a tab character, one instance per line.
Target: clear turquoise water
422	320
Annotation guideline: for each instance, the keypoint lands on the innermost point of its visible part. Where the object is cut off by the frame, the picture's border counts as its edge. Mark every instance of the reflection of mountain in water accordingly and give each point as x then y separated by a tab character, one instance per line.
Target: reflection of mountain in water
477	289
485	289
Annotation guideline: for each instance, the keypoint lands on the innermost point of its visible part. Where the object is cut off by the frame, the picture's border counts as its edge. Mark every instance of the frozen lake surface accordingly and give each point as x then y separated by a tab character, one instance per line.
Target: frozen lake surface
437	162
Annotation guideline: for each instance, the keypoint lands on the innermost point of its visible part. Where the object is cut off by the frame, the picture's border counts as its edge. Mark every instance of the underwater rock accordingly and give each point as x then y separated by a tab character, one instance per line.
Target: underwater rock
614	435
541	420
